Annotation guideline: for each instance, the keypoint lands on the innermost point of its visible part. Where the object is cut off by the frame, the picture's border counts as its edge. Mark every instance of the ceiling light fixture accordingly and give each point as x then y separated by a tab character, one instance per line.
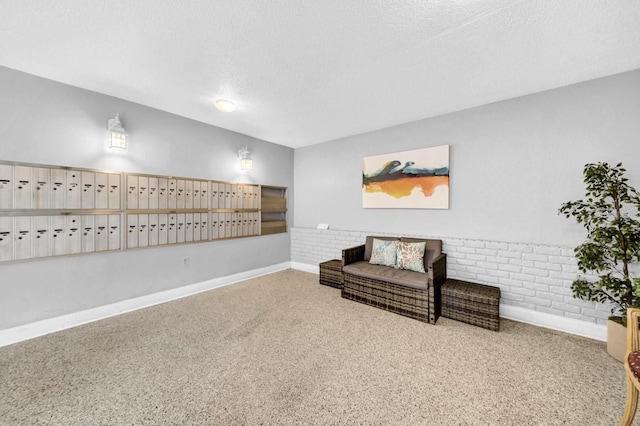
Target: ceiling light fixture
225	105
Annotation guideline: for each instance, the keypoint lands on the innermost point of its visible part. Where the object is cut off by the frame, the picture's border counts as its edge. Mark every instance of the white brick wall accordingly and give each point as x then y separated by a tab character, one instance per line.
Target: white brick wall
530	276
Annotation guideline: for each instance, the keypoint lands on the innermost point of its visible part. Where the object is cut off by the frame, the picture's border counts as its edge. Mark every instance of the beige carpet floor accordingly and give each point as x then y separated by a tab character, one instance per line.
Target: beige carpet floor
284	350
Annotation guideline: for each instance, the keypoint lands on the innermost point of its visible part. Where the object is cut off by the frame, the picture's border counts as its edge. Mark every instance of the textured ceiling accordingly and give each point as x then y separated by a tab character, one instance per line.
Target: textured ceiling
303	71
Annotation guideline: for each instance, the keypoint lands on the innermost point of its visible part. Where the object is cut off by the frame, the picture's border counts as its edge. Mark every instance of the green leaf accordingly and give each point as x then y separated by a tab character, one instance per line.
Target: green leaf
611	216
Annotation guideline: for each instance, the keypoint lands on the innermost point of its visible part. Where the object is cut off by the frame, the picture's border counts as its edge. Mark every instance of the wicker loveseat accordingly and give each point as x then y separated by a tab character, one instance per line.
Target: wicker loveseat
409	293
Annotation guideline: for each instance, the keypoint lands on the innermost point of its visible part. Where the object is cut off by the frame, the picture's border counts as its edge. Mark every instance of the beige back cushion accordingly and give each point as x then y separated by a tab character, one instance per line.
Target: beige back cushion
369	244
432	249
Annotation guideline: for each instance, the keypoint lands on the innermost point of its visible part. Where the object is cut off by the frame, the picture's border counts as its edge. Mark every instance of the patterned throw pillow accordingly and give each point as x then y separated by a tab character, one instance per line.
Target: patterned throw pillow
384	252
411	256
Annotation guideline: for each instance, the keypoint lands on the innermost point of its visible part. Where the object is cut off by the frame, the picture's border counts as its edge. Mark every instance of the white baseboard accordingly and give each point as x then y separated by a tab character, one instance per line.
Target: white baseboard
314	269
40	328
541	319
555	322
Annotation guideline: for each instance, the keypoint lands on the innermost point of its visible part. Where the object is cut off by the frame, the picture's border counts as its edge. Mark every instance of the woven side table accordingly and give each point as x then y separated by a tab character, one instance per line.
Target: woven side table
331	273
472	303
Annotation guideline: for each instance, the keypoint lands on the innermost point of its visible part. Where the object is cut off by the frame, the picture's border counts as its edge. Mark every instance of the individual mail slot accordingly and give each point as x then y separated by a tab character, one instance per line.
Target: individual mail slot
222	190
172	234
143	192
41	182
143	230
222	226
114	192
132	192
227	196
180	194
153	229
114	232
163	228
204	195
245	224
172	188
246	197
213	195
188	194
88	233
213	226
73	200
88	196
40	236
101	226
256	224
73	234
102	191
239	224
180	228
188	227
153	193
228	225
132	230
6	238
251	224
57	235
196	194
163	193
22	235
240	196
204	226
234	196
255	194
22	187
41	179
6	187
57	194
255	197
197	229
236	225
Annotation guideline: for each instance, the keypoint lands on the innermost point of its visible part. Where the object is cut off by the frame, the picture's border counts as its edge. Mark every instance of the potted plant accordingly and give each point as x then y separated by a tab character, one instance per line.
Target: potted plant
610	214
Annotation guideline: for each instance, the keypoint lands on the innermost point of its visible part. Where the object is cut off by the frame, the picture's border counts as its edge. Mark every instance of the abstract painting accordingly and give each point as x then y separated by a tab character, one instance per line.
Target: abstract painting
417	179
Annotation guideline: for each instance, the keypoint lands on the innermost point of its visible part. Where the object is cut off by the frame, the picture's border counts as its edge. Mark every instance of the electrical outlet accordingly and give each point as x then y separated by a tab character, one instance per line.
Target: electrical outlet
185	261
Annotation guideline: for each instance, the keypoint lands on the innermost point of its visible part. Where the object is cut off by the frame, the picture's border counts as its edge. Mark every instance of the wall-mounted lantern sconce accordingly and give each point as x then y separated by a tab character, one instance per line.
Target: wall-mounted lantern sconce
117	138
246	163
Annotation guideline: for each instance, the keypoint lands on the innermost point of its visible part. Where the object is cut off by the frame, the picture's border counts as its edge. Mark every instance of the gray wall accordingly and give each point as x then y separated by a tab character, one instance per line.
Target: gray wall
45	122
512	164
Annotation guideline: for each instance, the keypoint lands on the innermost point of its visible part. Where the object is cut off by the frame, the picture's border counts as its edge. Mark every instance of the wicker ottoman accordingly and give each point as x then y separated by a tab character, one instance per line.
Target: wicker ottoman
475	304
331	273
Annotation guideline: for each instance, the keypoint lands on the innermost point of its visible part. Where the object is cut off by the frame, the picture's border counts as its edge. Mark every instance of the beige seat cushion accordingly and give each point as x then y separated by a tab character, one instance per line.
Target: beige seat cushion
384	273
